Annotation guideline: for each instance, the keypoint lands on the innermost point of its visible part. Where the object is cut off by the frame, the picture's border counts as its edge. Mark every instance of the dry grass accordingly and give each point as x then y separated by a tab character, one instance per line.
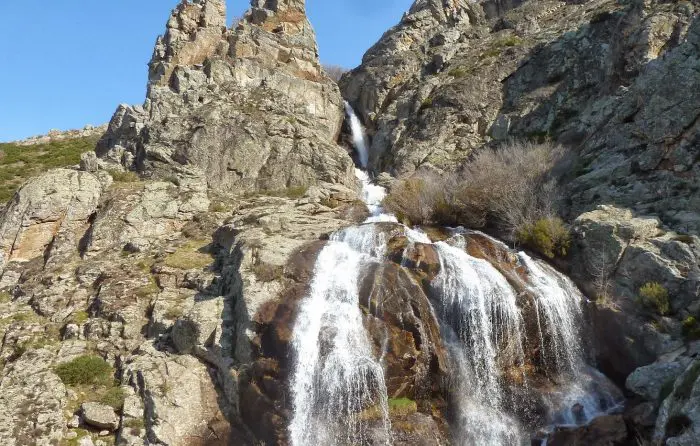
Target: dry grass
191	255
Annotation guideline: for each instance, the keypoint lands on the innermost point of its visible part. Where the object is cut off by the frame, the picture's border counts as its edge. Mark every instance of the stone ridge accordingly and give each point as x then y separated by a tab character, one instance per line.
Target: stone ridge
61	135
250	108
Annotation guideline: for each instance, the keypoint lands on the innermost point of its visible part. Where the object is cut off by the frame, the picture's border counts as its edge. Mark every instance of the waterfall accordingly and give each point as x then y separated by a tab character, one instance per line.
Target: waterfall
480	320
583	393
337	379
336	375
559	310
359	139
338	385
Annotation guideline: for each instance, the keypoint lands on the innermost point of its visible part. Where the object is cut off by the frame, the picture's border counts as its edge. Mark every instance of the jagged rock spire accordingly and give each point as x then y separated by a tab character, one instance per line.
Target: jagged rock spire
279	5
193	33
250	107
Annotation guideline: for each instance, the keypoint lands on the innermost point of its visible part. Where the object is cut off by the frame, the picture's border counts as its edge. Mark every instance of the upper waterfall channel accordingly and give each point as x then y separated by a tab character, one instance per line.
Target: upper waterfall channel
339	373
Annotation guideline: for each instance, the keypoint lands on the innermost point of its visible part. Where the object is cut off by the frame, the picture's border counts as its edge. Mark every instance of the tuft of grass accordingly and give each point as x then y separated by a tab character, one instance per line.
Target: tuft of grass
5	297
189	256
79	317
114	397
135	425
173	313
148	290
82	433
218	206
548	236
294	192
86	370
19	163
124	177
509	41
398	407
458	72
654	296
402	406
494	52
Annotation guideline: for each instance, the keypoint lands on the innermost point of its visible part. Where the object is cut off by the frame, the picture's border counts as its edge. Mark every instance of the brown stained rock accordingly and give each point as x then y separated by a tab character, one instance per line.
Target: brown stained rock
397	307
608	430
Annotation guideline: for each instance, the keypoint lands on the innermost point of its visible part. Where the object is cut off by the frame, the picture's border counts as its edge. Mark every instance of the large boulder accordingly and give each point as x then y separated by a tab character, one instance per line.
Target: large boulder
100	416
615	254
648	381
679	415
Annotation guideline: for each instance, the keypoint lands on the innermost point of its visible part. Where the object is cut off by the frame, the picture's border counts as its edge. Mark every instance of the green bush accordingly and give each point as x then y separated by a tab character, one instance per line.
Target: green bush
87	369
654	296
548	236
691	328
114	397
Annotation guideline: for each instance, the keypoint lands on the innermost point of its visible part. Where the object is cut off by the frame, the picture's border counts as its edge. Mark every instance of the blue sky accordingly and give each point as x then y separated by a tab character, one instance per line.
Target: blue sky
68	63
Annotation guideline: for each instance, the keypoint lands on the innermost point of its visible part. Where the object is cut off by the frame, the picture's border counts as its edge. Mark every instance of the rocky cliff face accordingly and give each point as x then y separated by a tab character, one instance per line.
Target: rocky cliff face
615	82
164	253
249	107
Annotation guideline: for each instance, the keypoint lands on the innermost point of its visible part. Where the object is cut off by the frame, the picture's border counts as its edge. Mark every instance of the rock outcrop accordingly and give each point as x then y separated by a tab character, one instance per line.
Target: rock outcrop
250	107
615	82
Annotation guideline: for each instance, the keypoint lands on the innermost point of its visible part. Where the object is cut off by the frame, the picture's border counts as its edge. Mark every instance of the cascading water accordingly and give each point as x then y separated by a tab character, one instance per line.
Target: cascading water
480	318
338	377
336	374
359	139
583	393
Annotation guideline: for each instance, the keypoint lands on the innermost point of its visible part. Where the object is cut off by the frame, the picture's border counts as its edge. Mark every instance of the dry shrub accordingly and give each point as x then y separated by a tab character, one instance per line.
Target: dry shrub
335	72
506	189
417	199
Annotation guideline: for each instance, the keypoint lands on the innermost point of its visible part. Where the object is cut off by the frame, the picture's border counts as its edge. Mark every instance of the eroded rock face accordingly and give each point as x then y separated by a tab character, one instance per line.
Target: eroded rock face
47	212
250	107
446	81
615	254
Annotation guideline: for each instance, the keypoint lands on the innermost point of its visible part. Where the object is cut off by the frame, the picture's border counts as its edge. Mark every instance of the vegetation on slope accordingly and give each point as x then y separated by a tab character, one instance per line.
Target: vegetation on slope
19	163
512	191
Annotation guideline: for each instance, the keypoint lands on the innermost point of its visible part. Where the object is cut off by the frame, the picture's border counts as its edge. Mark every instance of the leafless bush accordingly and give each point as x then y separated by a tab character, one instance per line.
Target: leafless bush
504	189
416	199
335	72
514	184
601	268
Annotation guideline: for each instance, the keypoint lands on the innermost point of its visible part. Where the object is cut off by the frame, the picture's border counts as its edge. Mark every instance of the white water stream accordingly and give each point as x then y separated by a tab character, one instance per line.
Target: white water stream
337	376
